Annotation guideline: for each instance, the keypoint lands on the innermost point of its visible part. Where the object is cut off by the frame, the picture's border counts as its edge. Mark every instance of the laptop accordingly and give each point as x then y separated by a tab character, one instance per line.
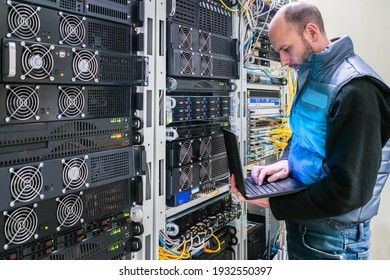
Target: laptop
247	186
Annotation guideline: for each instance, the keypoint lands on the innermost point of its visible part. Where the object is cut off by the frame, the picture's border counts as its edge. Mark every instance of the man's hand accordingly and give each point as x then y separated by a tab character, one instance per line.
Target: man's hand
273	172
263	202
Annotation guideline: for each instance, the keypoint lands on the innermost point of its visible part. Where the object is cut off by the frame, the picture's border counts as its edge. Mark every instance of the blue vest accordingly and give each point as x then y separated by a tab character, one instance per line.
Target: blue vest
319	81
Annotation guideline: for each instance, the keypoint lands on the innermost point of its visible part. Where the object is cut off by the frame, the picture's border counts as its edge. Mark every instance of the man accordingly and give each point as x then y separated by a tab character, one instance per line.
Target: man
340	141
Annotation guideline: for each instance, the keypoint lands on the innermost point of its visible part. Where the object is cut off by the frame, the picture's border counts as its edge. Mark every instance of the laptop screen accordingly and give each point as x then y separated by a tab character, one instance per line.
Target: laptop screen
233	156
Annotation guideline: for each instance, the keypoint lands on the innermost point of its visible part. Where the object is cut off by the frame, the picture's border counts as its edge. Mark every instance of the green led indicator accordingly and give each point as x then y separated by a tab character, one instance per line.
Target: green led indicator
49	37
46	227
47	113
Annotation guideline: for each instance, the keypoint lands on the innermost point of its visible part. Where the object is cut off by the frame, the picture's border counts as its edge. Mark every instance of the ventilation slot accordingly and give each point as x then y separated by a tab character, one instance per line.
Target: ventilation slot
221	46
75	146
222	68
185	12
94	9
109	101
106	201
118	69
217	146
112	38
69	4
110	167
74	128
121	2
220	168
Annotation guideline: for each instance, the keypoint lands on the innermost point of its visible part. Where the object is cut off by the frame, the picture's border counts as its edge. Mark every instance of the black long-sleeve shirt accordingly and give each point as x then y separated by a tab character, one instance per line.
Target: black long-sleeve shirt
357	128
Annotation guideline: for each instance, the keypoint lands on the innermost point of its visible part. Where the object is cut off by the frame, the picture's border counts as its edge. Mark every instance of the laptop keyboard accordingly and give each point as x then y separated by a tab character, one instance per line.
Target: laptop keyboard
265	188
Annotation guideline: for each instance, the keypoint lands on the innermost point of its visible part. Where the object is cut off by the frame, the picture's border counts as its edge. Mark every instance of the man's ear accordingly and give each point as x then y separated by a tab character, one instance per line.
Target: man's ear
312	32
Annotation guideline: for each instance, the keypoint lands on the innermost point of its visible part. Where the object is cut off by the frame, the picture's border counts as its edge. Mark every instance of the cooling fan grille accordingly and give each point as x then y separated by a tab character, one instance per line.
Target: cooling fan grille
204	42
72	30
20	225
187	63
22	103
69	210
71	102
185	37
186	178
37	61
205	148
206	65
23	21
75	173
185	152
85	66
205	172
26	183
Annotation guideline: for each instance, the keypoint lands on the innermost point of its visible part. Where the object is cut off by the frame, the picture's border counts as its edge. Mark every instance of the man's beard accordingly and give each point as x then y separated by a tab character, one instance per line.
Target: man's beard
305	56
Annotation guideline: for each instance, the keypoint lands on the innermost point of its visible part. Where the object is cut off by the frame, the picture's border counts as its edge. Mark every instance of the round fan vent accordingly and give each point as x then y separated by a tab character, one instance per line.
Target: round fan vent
26	183
205	170
74	173
85	66
20	225
23	21
72	30
22	103
185	37
69	210
205	148
185	152
71	102
186	178
37	61
206	65
187	63
204	42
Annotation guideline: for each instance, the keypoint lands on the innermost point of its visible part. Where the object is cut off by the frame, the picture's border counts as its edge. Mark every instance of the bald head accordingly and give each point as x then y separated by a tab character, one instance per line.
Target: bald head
298	15
297	32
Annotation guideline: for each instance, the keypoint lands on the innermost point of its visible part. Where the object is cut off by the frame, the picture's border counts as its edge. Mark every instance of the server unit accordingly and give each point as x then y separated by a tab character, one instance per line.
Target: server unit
71	158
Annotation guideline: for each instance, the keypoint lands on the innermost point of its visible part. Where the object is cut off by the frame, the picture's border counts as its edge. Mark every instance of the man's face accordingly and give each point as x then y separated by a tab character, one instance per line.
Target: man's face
294	48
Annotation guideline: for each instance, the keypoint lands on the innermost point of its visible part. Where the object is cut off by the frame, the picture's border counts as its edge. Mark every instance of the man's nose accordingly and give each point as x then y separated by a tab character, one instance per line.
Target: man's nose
285	59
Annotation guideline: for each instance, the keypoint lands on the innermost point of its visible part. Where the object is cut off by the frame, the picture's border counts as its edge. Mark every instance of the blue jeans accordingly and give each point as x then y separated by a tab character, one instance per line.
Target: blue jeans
304	243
